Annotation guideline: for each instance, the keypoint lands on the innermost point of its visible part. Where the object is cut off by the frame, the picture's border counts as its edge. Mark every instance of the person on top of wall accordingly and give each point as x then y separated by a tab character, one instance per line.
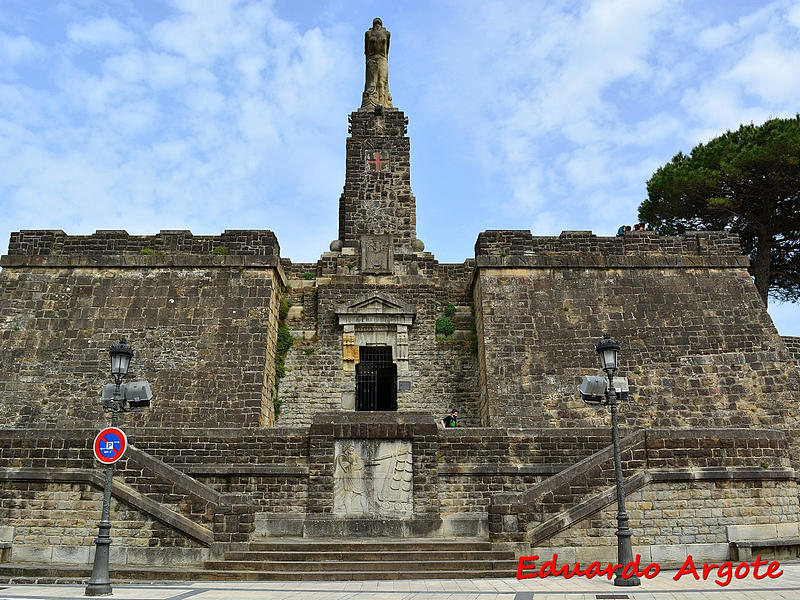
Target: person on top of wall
449	420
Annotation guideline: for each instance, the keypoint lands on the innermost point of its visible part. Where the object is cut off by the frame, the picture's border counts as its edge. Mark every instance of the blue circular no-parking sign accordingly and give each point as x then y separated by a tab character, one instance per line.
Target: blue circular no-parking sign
110	445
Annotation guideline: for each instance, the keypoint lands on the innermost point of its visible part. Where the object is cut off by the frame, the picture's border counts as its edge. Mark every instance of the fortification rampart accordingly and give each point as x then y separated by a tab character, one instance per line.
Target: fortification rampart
54	242
178	481
636	246
698	347
203	325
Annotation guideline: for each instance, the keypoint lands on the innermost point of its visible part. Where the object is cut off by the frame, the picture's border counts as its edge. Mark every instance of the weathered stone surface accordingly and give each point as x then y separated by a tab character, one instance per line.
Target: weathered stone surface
373	477
204	336
698	348
529	463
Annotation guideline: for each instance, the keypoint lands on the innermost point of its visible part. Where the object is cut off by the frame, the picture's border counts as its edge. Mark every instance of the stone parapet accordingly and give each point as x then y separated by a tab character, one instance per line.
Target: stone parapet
252	242
506	243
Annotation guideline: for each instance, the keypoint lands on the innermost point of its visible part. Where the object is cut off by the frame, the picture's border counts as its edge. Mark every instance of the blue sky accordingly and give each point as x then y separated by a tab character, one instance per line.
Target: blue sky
213	115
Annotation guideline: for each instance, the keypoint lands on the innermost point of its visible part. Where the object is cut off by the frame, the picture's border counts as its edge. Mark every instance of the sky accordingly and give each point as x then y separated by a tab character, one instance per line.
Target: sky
213	115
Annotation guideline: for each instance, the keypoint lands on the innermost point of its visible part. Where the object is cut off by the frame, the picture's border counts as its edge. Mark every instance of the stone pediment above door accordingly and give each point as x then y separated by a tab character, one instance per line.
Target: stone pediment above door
376	308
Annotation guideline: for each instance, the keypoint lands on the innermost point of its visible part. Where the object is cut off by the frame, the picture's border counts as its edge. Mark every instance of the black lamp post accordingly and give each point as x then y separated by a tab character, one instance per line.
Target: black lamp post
608	350
99	583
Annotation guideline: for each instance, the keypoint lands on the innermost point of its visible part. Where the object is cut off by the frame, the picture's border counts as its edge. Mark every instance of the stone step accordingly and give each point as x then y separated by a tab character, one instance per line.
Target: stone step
420	566
45	574
433	555
377	546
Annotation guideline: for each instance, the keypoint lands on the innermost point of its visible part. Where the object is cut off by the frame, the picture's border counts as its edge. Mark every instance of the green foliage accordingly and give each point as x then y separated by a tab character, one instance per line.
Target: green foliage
444	325
745	181
473	339
285	341
283	309
308	275
146	251
282	345
309	351
220	250
450	309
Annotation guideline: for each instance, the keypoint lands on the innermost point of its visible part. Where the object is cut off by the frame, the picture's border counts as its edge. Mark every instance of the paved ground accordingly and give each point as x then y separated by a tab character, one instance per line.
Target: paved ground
662	587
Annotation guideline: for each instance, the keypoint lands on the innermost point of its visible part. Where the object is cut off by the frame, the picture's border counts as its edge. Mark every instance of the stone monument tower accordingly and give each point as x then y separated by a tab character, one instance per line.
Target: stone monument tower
377	211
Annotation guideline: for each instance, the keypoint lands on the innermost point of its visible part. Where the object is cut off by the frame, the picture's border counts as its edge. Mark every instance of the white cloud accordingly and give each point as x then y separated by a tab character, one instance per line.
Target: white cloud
770	71
793	15
716	37
100	32
14	49
222	114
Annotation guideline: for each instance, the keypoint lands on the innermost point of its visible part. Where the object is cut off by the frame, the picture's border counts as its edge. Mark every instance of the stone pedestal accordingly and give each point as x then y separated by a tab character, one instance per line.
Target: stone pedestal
373	474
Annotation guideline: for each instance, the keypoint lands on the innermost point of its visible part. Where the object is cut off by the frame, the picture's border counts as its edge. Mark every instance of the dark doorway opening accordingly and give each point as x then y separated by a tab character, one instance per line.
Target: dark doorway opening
376	379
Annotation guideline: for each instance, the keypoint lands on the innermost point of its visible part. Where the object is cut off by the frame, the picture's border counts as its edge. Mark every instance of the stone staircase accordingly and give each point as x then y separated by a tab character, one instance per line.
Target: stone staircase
304	559
329	559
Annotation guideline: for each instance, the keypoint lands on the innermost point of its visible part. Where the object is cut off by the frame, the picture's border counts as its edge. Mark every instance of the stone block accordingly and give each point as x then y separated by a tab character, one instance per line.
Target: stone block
6	533
668	554
75	555
601	554
786	530
278	525
166	556
348	400
704	553
752	532
465	525
644	552
21	553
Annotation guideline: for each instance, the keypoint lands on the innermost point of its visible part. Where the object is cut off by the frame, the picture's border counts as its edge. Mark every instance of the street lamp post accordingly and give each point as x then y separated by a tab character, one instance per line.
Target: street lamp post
99	583
608	350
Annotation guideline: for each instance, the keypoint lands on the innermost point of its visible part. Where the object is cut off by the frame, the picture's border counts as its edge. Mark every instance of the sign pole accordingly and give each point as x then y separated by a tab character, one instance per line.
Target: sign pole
99	583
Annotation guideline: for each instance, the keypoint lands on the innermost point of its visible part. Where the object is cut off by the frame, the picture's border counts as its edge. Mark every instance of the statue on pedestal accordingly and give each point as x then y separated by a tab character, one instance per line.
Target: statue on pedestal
376	49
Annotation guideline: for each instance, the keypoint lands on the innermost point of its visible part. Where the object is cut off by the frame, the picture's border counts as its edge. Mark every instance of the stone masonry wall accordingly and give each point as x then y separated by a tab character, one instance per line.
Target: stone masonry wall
54	242
378	201
477	463
687	512
203	327
682	456
698	347
793	347
287	472
442	372
67	514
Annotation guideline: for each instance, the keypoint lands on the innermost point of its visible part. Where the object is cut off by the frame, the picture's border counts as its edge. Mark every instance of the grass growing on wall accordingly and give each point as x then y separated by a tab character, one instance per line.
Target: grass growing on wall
284	342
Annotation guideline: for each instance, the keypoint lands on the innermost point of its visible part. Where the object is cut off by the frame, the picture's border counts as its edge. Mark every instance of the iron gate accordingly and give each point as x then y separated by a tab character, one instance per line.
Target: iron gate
376	379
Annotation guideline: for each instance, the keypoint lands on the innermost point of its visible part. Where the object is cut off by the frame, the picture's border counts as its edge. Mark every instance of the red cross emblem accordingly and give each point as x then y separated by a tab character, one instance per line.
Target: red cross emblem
377	161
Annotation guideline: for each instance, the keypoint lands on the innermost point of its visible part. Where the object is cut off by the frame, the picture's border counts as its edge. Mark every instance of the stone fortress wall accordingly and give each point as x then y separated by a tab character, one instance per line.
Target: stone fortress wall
186	490
203	325
243	443
698	347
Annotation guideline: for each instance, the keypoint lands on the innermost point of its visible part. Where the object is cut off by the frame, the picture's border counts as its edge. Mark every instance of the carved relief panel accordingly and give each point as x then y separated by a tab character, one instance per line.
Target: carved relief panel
377	252
372	477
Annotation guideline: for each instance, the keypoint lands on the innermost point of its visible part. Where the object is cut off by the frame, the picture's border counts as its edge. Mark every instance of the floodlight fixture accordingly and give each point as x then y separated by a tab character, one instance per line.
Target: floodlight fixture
137	394
593	390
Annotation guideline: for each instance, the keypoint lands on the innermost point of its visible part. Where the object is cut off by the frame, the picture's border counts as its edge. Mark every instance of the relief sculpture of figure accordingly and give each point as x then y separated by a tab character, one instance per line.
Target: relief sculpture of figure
348	478
376	48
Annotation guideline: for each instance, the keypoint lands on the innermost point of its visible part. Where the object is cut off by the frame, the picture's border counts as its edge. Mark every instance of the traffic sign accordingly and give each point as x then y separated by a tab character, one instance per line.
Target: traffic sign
110	445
